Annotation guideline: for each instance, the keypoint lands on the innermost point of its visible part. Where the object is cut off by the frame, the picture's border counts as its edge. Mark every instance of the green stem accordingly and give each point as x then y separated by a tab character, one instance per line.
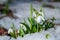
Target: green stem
31	10
37	25
31	15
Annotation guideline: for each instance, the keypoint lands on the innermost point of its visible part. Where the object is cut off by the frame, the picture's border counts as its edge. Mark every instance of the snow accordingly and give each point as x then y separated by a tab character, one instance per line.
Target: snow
12	39
4	38
57	29
39	36
36	36
19	38
57	33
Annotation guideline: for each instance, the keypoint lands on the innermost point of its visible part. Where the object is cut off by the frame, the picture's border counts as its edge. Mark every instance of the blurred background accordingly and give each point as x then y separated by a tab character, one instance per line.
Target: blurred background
21	10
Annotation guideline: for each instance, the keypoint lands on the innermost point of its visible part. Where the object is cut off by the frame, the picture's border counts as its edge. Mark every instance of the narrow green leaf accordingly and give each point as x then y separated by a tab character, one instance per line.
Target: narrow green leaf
31	10
26	25
21	32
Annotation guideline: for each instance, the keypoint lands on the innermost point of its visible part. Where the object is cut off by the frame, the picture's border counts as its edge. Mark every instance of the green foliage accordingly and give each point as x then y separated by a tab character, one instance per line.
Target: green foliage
49	23
31	11
13	35
33	26
21	32
27	27
13	28
36	12
5	9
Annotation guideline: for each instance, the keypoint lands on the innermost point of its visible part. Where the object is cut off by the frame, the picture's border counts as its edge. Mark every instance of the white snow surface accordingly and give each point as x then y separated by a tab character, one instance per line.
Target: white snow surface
4	38
38	36
53	35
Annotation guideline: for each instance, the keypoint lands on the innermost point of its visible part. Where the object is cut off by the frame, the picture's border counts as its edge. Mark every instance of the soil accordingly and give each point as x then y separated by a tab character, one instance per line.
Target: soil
48	5
8	14
3	31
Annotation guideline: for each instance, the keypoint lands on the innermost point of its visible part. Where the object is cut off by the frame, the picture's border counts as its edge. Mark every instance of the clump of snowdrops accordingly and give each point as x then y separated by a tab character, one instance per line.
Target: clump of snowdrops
36	23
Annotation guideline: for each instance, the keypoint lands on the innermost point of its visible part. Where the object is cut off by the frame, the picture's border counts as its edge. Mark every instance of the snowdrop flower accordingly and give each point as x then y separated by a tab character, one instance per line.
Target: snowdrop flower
10	31
42	18
39	19
42	13
18	31
23	27
34	15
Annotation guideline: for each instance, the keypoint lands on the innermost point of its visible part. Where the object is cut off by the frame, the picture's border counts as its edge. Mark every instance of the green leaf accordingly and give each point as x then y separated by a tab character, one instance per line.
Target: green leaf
53	18
13	27
40	27
32	22
6	10
36	12
31	7
21	32
27	27
34	29
41	10
48	24
13	35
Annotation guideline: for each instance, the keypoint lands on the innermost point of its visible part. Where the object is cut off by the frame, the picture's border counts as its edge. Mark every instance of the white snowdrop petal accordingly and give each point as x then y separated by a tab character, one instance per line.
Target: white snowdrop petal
23	27
18	31
10	30
34	15
38	19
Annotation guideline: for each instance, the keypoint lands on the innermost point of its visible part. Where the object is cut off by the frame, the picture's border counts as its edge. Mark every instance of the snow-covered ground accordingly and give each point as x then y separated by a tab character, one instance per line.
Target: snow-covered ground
23	11
53	34
4	38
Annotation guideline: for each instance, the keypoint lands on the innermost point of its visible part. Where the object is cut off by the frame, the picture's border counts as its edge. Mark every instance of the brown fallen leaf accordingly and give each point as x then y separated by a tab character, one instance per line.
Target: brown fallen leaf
3	31
48	5
8	14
